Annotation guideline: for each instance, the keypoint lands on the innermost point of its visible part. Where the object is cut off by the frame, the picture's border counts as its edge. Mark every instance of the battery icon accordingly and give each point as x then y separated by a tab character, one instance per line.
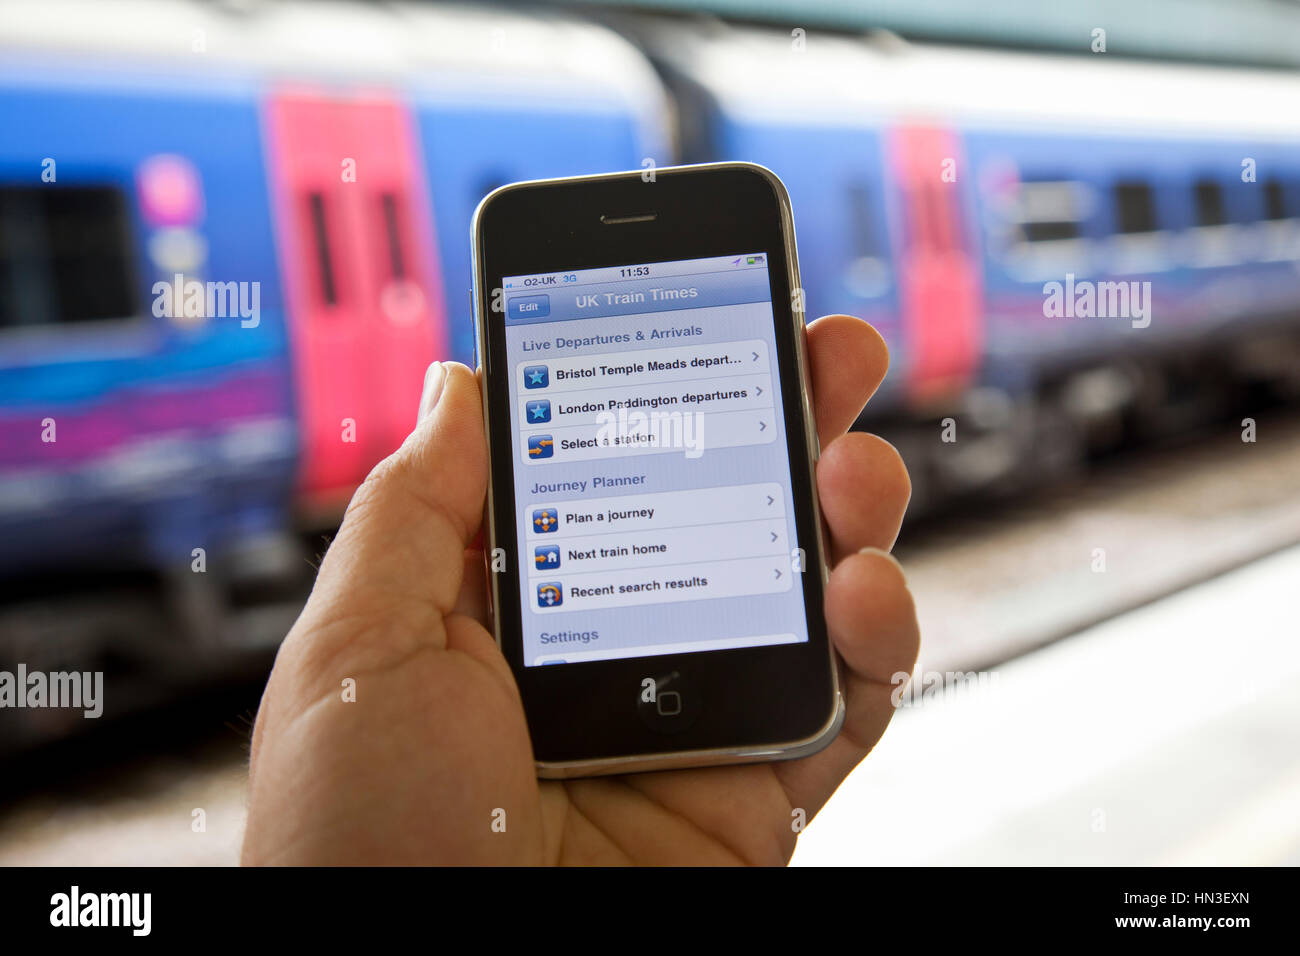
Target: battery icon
753	259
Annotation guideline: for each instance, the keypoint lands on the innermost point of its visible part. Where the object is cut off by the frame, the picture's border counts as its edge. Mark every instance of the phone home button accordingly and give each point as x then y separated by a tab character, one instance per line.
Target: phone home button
668	702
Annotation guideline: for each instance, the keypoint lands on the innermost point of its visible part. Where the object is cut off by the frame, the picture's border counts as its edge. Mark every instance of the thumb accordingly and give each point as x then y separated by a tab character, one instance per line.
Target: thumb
399	554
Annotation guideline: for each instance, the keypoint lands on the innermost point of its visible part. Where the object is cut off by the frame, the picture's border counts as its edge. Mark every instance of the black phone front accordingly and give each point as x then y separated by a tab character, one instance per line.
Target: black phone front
658	564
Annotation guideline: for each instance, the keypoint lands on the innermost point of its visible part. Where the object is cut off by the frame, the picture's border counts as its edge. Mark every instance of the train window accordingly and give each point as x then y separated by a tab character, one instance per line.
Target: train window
1274	200
321	238
1209	203
1135	208
65	255
866	273
393	233
865	245
1050	210
1049	231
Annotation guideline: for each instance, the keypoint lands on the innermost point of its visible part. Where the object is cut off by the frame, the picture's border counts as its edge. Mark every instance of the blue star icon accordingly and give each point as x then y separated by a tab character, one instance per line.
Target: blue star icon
536	376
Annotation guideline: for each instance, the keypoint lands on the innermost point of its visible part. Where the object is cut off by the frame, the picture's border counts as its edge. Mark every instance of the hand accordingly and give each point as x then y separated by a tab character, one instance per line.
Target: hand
435	741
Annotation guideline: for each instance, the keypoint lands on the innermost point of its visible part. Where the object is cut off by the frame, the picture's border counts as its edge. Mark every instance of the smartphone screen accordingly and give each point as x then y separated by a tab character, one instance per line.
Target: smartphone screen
652	477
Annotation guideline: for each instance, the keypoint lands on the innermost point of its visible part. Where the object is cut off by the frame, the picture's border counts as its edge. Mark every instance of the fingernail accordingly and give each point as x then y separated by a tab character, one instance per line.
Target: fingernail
433	382
885	554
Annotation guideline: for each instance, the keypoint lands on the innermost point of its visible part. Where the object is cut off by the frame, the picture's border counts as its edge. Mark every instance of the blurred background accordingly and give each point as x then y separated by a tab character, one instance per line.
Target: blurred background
234	234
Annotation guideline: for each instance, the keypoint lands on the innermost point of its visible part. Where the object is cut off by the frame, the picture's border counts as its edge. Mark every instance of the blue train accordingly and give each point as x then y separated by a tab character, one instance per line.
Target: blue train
1061	251
232	237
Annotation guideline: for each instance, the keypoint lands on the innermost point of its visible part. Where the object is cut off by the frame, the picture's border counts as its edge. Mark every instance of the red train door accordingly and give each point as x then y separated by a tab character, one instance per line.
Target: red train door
366	311
939	280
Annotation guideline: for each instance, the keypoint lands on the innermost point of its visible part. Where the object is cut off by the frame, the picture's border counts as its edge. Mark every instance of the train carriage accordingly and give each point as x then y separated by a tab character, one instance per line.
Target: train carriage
323	158
1051	245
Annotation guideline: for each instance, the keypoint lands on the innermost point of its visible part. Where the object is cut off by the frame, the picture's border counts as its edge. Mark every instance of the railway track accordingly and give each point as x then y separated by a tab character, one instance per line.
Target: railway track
994	583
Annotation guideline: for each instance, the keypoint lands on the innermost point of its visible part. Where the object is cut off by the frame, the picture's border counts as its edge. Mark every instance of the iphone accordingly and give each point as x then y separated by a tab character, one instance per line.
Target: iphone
656	555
